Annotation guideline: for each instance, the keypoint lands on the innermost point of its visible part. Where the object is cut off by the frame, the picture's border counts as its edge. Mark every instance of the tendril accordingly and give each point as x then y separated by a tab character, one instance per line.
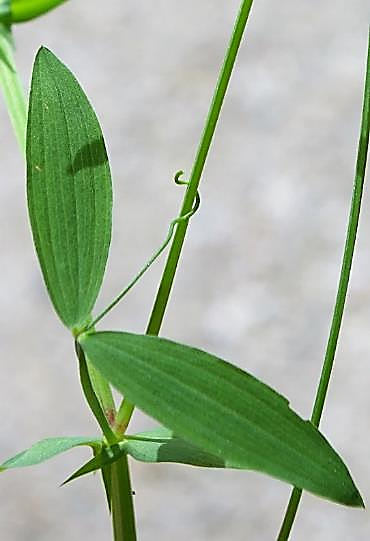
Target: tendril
148	264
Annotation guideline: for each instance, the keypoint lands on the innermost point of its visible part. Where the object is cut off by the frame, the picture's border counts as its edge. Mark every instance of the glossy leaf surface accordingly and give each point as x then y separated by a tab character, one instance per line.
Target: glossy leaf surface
45	449
222	410
69	189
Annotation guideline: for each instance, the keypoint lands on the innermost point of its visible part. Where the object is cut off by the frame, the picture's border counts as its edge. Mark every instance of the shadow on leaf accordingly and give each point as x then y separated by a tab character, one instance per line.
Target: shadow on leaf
92	154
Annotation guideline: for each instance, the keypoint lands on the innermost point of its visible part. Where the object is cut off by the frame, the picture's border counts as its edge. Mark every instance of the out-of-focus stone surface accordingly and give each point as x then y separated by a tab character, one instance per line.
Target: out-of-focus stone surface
258	275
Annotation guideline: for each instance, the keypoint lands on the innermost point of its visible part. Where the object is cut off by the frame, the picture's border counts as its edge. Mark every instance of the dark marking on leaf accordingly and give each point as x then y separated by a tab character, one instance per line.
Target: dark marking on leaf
90	155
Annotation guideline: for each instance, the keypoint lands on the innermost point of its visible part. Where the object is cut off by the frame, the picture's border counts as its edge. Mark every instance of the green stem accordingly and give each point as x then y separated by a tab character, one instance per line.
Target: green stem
12	88
91	397
123	516
196	173
22	11
103	392
342	289
123	418
168	275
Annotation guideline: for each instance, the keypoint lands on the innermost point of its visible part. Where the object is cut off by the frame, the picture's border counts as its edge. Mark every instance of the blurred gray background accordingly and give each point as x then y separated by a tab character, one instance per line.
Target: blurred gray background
259	270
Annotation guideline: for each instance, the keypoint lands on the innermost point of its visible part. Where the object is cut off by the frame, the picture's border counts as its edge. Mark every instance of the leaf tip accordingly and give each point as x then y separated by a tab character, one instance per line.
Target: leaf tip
357	500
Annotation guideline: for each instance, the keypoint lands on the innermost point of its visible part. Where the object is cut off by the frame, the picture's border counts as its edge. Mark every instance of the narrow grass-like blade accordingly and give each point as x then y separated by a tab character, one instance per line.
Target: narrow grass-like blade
69	189
222	410
106	456
45	449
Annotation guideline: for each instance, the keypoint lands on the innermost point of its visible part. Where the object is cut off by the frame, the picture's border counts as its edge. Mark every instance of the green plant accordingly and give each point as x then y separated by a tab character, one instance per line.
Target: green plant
188	391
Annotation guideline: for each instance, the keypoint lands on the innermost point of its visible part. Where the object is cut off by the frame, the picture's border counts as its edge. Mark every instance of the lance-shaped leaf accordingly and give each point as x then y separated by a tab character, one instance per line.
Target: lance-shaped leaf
69	189
158	445
106	456
222	410
45	449
161	445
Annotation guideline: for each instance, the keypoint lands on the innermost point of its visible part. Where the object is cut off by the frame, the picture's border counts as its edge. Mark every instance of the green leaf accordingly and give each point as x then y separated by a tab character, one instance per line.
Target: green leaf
46	449
155	446
162	446
107	482
222	410
106	456
69	189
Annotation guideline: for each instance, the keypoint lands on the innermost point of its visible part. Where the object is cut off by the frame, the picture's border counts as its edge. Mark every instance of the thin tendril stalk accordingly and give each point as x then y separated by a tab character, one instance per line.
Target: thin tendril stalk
125	412
342	289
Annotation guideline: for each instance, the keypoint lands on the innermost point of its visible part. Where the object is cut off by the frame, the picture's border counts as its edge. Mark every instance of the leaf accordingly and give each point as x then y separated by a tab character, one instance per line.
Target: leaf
104	458
107	482
155	446
69	189
46	449
161	446
222	410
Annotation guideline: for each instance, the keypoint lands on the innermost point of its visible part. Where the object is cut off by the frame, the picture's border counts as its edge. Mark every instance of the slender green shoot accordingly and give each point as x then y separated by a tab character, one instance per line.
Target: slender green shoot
103	392
91	397
11	87
123	515
168	276
125	411
22	11
342	288
123	418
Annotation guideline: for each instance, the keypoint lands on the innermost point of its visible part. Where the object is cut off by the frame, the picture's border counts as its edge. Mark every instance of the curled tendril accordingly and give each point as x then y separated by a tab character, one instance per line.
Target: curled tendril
148	264
177	176
196	206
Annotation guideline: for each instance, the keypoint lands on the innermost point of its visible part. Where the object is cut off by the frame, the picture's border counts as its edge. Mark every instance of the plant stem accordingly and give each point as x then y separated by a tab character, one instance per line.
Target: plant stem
342	289
123	516
168	275
12	88
24	11
103	392
196	173
91	397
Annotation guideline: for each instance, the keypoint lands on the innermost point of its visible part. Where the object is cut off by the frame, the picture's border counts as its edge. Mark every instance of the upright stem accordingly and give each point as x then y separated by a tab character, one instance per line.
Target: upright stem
342	289
196	173
12	88
164	290
125	412
122	506
24	11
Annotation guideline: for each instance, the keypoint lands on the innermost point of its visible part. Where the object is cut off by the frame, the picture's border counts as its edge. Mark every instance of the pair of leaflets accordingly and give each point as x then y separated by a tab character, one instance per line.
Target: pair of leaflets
216	414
